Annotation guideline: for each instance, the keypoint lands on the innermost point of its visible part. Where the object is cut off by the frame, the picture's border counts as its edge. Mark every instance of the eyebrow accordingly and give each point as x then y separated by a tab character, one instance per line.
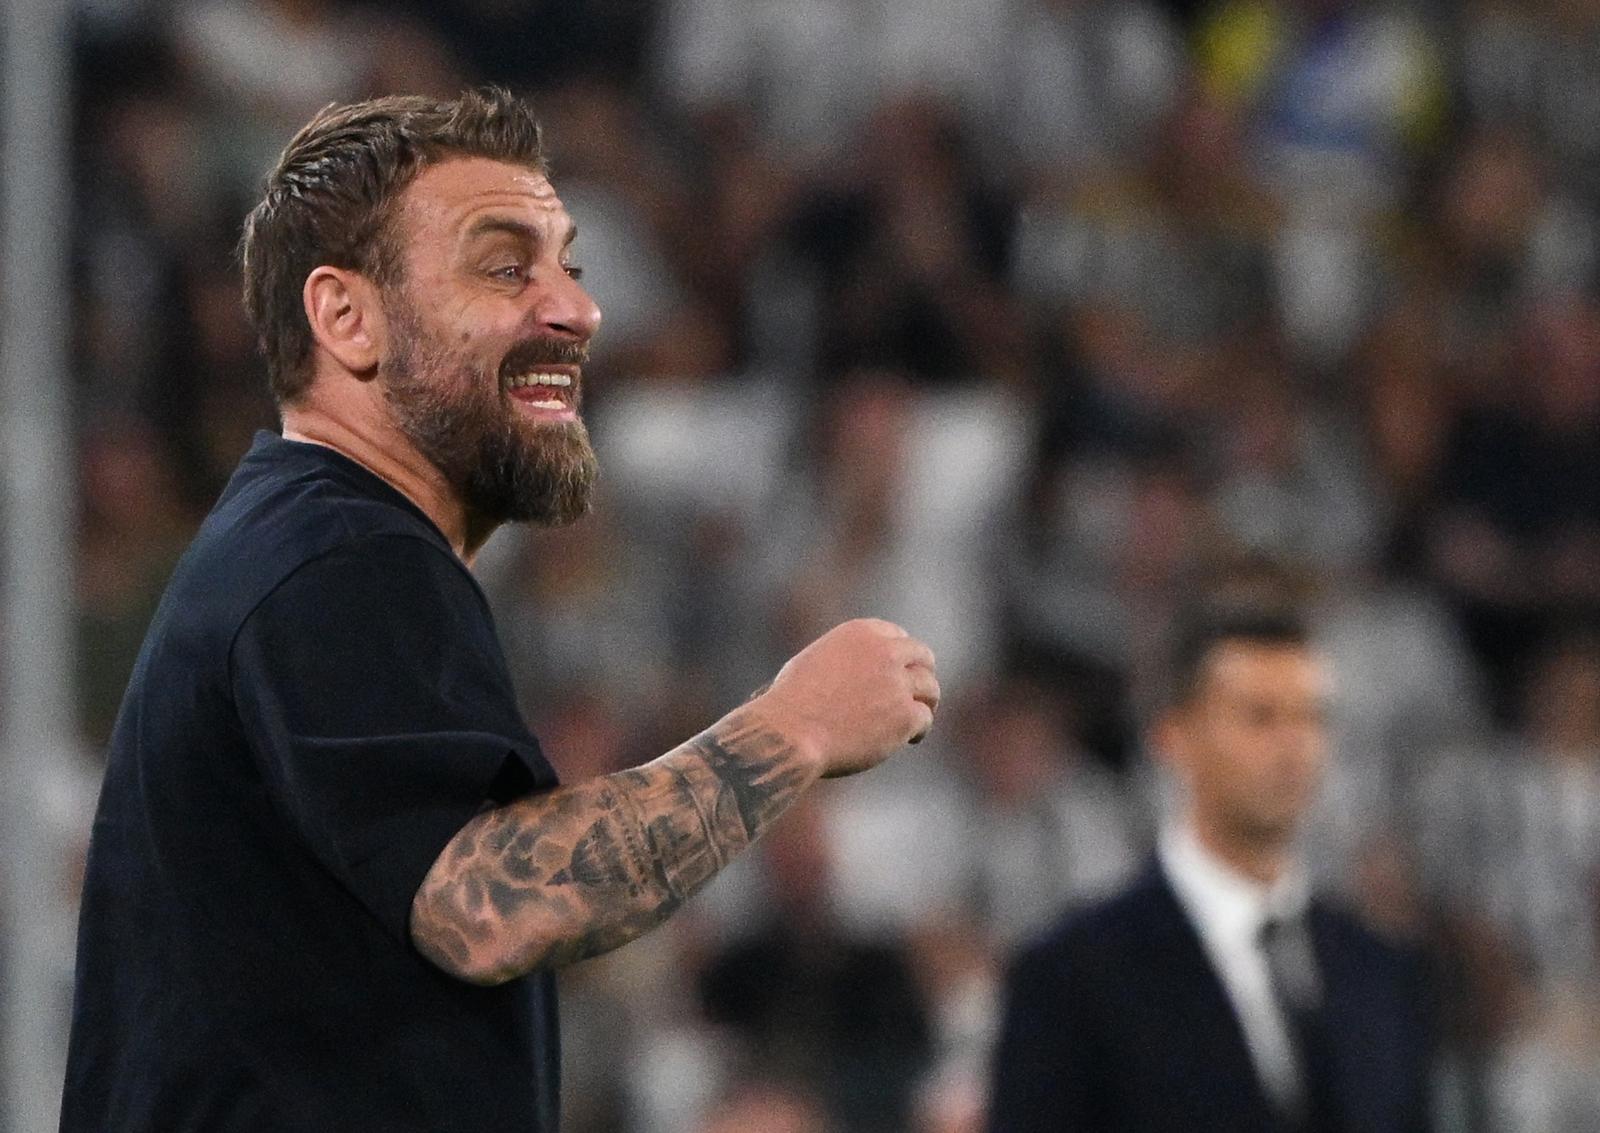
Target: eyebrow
520	229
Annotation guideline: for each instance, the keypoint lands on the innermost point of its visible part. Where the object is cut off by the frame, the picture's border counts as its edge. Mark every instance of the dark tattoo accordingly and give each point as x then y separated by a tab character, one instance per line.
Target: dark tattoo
554	878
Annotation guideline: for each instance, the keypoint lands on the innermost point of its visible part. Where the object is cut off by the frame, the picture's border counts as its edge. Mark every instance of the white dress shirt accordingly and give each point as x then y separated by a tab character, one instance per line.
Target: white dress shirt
1228	911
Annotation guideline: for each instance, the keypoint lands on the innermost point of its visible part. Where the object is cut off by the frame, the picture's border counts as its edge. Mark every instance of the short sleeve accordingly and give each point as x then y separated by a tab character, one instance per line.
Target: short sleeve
374	697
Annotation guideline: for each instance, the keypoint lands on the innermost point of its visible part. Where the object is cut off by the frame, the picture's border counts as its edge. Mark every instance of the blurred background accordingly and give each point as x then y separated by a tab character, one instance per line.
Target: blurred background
1014	321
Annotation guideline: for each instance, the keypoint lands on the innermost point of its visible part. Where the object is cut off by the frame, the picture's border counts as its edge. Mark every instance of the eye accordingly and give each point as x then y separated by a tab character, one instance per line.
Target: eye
507	271
574	272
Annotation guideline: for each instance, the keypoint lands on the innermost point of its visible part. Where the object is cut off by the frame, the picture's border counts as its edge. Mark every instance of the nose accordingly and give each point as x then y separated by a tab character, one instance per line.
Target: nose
1302	745
567	309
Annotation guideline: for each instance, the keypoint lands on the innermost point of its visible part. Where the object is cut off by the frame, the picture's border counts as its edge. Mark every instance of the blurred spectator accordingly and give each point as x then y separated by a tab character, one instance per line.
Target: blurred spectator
1507	232
1092	570
1529	66
772	1108
802	996
1049	827
1337	88
813	69
568	601
1340	95
133	528
1087	83
899	517
1406	405
1292	487
1515	835
957	971
1405	686
269	67
1513	828
1516	542
908	244
1179	242
545	44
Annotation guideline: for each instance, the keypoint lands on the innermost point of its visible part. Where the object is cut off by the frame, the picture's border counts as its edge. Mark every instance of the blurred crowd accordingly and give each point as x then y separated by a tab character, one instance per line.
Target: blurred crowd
1015	322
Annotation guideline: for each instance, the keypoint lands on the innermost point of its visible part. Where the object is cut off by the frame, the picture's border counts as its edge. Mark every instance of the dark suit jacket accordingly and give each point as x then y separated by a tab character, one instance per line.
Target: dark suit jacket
1116	1022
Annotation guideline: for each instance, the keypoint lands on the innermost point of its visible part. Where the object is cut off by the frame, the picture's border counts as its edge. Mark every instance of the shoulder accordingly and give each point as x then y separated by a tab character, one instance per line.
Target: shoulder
383	622
1101	934
295	501
1346	932
1358	957
386	588
295	511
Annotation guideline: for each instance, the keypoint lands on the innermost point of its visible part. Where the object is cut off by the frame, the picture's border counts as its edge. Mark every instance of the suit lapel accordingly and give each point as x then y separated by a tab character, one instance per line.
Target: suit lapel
1178	960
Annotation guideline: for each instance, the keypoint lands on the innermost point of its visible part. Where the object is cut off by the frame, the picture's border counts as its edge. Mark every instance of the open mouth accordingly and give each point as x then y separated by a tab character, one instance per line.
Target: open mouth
546	391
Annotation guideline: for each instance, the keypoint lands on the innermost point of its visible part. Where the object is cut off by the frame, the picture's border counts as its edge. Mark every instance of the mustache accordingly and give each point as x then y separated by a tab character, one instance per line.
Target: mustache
533	352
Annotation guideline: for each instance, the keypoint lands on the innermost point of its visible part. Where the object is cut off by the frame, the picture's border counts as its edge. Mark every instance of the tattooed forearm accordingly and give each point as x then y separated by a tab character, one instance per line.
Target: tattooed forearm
554	878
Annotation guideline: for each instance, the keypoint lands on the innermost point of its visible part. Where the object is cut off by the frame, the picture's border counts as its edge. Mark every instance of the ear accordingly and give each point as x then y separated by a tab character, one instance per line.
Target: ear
346	318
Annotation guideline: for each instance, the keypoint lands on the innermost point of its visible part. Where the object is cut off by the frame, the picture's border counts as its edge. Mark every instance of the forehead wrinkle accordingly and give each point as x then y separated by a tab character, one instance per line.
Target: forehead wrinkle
455	190
485	219
491	225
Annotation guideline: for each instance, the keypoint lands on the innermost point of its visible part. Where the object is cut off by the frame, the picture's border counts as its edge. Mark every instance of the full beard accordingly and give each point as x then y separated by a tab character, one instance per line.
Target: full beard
503	467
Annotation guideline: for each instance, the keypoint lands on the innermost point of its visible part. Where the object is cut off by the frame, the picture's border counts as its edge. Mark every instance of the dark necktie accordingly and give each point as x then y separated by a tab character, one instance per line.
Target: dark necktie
1297	985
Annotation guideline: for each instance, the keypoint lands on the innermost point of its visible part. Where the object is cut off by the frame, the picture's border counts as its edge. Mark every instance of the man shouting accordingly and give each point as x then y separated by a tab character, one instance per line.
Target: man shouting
331	872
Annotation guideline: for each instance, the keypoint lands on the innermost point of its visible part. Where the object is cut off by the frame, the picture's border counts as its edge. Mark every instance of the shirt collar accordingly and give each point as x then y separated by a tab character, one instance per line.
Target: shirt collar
1222	901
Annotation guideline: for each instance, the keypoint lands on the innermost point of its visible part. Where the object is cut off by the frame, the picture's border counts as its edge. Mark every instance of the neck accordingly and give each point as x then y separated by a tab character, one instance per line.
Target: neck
389	455
1264	859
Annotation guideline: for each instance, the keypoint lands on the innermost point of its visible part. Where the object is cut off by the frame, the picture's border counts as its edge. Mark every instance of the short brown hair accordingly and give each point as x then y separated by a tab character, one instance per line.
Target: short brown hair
1208	625
331	197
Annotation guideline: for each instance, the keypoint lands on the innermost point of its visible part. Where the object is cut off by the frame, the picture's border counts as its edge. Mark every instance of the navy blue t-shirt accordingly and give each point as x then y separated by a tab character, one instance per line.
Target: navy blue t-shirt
320	705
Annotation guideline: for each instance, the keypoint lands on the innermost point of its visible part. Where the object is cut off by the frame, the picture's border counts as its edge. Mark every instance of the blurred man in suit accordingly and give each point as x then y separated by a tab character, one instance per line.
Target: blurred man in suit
1217	993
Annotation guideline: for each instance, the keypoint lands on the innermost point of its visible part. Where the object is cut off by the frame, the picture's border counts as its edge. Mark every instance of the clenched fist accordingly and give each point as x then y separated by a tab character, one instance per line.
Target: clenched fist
854	695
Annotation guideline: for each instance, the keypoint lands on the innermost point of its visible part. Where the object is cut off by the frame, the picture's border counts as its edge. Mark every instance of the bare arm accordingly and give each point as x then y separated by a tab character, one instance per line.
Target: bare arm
557	877
581	870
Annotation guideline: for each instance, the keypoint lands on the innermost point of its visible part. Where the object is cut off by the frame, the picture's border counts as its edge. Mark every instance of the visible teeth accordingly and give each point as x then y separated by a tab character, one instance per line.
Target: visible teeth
522	380
548	404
